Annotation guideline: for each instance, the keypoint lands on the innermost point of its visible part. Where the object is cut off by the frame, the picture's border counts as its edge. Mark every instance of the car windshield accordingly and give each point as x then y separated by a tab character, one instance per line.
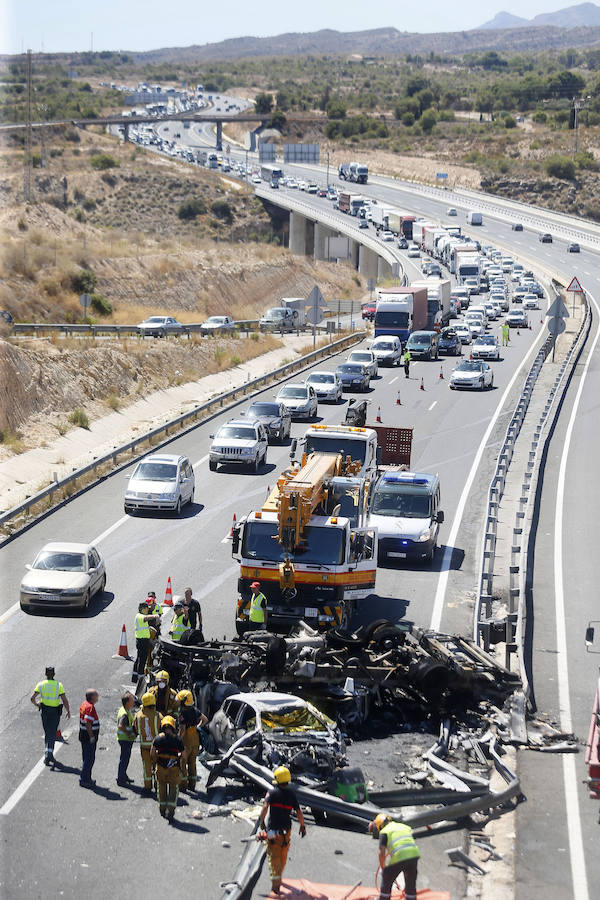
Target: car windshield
154	320
346	446
263	409
216	320
236	431
486	339
384	347
361	357
391	318
404	500
350	369
448	334
469	365
320	545
275	314
155	471
419	341
321	378
60	561
292	719
296	393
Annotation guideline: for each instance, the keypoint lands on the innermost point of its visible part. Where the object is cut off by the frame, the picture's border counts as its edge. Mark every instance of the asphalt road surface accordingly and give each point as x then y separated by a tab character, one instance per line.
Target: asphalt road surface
71	833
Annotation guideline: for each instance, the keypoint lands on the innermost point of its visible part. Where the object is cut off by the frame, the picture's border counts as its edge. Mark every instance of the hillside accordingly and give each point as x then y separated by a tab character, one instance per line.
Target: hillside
581	15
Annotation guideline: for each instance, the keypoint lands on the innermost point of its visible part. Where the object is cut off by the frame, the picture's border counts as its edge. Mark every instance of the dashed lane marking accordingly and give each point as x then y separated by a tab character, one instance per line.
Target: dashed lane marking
429	408
29	779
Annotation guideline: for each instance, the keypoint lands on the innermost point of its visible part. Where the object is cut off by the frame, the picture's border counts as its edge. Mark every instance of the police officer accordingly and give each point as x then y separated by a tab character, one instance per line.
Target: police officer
52	699
398	852
189	720
142	640
280	802
180	622
406	360
258	608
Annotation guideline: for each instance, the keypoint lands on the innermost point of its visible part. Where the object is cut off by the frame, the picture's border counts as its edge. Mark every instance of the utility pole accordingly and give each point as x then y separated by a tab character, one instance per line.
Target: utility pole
328	170
577	105
27	161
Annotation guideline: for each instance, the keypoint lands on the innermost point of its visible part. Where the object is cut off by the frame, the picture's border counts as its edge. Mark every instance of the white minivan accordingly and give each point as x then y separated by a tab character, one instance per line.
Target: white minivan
387	350
160	481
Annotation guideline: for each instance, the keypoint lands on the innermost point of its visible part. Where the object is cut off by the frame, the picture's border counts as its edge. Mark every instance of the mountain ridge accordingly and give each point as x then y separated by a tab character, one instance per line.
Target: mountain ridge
579	15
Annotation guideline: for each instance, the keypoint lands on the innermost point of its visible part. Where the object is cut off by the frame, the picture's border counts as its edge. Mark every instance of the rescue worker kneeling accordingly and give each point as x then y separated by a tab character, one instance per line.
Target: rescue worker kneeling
398	852
189	719
168	753
279	803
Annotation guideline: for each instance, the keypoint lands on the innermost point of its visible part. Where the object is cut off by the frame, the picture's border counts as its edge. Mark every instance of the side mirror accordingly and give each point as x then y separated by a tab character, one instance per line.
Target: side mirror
91	570
212	437
440	516
378	454
235	541
28	566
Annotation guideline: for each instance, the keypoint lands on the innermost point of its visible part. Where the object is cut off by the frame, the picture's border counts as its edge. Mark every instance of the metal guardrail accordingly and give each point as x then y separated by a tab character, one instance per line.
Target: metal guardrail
187	420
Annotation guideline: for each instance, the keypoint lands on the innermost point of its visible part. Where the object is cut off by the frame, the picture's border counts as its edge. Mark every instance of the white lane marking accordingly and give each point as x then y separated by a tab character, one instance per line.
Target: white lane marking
578	873
440	594
200	461
110	530
429	408
9	612
22	789
393	380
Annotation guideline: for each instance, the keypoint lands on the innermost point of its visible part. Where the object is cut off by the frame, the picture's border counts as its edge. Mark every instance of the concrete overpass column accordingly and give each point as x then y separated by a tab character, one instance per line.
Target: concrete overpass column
219	136
384	269
298	225
354	252
322	233
367	262
126	132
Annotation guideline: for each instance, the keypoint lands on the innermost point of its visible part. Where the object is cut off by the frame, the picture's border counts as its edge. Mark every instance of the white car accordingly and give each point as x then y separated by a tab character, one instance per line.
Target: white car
387	350
326	385
475	326
485	347
292	184
239	441
451	211
530	301
517	318
367	358
217	325
159	326
300	399
472	373
472	283
256	179
161	481
413	252
463	332
63	576
387	237
302	186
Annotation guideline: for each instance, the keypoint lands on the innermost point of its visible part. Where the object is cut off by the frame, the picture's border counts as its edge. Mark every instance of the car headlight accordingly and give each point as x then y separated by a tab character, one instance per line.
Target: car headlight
246	451
169	496
29	588
425	536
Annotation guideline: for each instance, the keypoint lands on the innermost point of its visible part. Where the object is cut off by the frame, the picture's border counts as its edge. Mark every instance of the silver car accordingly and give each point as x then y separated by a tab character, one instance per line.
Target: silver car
217	325
160	326
161	481
63	576
241	441
300	399
274	416
366	358
327	385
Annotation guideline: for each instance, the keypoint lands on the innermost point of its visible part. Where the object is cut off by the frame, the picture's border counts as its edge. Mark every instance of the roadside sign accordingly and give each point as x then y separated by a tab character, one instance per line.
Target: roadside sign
371	283
85	300
314	316
441	175
396	270
575	287
557	314
316	299
315	304
558	310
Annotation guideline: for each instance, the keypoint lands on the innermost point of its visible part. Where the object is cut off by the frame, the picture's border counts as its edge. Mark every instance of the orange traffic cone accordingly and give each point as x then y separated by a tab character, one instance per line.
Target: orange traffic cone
398	400
441	373
168	593
232	526
378	416
122	649
422	388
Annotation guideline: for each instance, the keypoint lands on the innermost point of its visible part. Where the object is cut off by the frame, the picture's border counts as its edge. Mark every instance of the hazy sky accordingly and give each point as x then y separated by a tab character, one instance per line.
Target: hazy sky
55	25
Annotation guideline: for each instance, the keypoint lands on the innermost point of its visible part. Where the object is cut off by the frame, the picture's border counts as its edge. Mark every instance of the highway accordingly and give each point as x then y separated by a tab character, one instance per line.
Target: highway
456	434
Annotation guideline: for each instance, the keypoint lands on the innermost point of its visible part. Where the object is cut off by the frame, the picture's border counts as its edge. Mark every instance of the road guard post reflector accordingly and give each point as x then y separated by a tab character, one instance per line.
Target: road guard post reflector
422	388
398	400
230	535
441	373
122	649
168	593
378	417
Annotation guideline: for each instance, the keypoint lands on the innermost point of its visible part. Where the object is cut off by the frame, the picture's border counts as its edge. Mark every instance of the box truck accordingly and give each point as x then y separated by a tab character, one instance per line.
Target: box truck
400	311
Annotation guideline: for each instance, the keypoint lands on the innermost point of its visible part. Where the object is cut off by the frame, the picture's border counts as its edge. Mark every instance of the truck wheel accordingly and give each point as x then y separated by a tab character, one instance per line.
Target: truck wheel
241	628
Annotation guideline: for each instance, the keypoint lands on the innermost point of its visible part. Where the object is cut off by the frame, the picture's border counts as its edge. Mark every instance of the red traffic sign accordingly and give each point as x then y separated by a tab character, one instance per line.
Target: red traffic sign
575	287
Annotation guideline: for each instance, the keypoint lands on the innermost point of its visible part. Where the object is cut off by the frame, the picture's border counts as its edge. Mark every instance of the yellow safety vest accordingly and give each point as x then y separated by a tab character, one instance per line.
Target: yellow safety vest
401	844
179	627
155	610
257	612
142	629
50	691
122	733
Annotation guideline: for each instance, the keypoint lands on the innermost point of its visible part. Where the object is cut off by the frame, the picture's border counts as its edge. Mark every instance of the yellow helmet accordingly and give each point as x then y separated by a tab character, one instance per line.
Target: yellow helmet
379	822
162	676
281	775
148	699
167	720
185	697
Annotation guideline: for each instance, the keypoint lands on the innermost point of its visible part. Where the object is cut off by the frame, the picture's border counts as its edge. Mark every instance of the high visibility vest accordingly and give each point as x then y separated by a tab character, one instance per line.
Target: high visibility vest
125	734
50	691
155	610
406	357
257	613
401	844
179	627
147	724
142	629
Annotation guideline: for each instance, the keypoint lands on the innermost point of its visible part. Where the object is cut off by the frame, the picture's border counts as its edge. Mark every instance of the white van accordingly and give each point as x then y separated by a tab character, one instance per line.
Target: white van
387	350
474	217
405	509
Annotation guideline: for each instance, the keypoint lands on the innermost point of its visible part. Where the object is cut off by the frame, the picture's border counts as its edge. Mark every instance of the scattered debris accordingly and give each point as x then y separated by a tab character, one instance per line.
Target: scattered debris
456	855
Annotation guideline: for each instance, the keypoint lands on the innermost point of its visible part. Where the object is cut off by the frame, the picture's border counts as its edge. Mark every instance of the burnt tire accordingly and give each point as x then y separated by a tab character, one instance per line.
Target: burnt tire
339	639
388	635
275	656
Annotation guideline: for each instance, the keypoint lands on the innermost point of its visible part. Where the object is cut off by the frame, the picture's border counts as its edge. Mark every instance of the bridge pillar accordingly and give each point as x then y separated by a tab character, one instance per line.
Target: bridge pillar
354	248
322	233
384	269
219	136
126	132
298	230
367	262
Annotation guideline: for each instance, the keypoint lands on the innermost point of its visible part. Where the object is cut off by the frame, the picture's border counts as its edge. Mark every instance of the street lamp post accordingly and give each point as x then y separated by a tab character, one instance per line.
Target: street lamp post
328	170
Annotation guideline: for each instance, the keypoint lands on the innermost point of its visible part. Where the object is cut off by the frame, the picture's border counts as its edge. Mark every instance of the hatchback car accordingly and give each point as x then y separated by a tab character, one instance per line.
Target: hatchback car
273	416
240	441
159	326
472	373
451	211
161	481
485	347
402	243
63	576
573	248
363	223
300	399
449	342
545	238
354	376
368	310
530	301
414	252
367	358
463	333
217	325
516	226
326	385
517	318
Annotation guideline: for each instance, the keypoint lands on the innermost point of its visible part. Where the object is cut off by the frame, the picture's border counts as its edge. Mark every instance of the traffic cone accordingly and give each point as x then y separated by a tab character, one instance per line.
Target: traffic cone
398	400
530	326
168	593
471	355
232	526
122	649
422	388
518	332
441	373
378	416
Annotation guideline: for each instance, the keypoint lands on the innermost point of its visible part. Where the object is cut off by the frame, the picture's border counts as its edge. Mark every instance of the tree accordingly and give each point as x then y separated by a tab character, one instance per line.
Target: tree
428	120
336	109
278	120
263	104
415	84
560	167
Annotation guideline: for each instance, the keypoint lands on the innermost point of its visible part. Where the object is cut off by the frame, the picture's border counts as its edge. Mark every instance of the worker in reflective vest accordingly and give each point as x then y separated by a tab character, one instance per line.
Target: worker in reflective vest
258	608
180	623
146	723
143	621
126	735
398	852
51	700
154	608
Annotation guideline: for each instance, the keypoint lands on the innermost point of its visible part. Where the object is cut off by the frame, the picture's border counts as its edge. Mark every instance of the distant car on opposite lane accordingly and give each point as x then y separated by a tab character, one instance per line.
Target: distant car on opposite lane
159	326
545	238
573	248
63	576
217	325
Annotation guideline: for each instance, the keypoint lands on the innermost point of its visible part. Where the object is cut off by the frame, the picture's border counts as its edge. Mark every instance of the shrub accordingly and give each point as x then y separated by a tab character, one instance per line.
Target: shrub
236	360
11	440
104	161
71	134
79	417
560	167
109	179
263	104
89	204
585	160
191	208
222	210
540	117
408	119
510	122
428	120
36	160
22	225
84	282
113	400
101	305
336	108
79	214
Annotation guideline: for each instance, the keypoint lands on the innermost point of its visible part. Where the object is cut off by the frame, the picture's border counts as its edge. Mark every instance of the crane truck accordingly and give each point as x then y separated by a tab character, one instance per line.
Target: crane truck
308	546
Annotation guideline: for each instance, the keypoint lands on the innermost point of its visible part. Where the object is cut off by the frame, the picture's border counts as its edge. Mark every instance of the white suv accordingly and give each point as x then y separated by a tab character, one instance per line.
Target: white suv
239	441
160	481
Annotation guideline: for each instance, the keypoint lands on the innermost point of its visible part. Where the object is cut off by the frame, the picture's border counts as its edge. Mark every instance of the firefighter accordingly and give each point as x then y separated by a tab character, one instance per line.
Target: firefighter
280	802
146	723
189	719
166	698
168	753
398	852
